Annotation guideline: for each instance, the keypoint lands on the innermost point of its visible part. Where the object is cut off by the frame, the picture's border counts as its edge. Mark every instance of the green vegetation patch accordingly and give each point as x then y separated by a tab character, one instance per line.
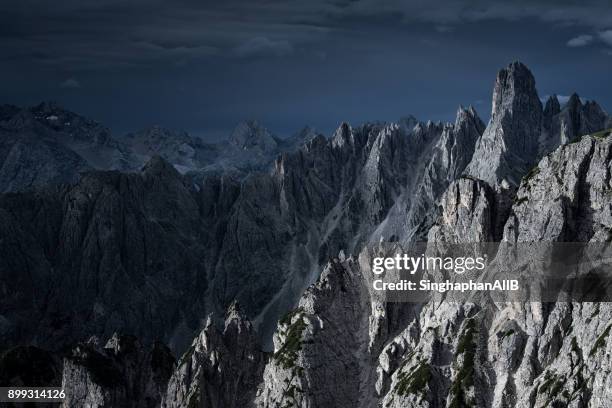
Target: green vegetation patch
292	391
552	386
602	134
415	381
531	174
596	308
287	355
520	200
286	319
464	379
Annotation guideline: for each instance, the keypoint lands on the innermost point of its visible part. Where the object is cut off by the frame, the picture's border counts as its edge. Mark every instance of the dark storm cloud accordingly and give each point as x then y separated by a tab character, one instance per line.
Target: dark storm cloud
81	34
205	65
593	13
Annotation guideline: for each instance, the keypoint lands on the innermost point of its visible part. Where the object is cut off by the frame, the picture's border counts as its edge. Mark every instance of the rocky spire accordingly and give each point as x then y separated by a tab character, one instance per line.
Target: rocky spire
551	110
577	119
553	106
251	135
157	166
509	145
343	135
220	369
468	117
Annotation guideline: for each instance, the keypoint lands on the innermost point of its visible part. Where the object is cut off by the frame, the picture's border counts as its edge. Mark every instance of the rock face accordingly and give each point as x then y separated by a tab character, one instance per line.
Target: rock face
449	354
122	373
315	364
251	136
47	144
220	369
155	252
521	131
510	144
180	149
250	147
100	256
109	244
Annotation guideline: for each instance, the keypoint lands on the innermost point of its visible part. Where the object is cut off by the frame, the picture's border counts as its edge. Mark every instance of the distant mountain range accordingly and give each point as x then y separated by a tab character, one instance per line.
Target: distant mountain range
47	144
163	247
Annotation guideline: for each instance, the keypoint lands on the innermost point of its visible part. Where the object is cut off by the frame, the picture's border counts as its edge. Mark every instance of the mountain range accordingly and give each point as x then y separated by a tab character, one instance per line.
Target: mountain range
47	144
257	244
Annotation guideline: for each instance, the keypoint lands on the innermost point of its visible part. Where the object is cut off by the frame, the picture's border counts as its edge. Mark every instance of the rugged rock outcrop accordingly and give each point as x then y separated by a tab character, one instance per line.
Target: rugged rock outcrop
315	363
46	144
521	131
179	148
250	147
101	255
252	136
121	373
445	354
448	354
548	354
220	369
156	251
577	119
510	144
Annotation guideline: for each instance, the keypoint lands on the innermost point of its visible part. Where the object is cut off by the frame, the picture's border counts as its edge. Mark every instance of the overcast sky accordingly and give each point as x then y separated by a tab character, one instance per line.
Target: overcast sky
203	66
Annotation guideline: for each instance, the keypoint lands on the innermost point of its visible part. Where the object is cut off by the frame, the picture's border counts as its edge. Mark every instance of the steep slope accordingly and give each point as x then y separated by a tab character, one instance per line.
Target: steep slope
510	144
448	354
220	369
30	161
555	352
314	362
449	156
250	147
154	252
46	144
102	255
87	138
104	249
183	151
123	373
521	131
105	253
251	136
